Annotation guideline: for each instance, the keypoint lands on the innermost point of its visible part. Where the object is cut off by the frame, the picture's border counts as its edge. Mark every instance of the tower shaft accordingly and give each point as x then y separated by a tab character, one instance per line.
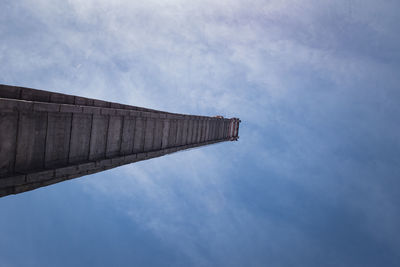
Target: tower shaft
48	137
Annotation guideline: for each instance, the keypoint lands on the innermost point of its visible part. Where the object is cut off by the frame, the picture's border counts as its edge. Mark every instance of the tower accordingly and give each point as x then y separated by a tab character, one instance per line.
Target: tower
48	137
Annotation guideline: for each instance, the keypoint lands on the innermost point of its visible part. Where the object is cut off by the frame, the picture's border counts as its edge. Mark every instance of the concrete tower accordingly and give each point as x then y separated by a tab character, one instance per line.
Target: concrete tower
47	137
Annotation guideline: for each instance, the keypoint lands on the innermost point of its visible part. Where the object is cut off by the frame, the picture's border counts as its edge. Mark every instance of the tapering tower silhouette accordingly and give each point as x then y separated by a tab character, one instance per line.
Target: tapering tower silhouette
48	137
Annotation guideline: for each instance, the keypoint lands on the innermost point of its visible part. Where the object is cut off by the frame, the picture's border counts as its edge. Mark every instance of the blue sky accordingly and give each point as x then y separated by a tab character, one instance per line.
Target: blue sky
313	180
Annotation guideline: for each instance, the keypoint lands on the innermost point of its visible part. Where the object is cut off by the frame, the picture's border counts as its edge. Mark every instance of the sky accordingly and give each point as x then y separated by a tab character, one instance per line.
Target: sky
313	179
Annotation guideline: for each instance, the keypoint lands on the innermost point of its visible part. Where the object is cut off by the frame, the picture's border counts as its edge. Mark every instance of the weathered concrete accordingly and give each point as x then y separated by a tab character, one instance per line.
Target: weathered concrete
158	134
57	139
114	136
127	135
80	137
149	134
172	133
190	132
139	135
185	131
8	140
47	137
98	137
31	141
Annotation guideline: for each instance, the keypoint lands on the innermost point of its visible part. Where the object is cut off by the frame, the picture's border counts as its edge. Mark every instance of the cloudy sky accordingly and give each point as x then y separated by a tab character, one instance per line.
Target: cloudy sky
313	180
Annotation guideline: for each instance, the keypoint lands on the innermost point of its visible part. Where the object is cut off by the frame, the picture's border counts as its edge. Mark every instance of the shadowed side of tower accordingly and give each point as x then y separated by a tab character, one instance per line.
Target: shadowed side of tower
47	137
